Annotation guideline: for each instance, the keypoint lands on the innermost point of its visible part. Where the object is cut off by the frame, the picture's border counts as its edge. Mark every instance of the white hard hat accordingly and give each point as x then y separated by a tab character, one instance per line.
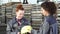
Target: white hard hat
26	29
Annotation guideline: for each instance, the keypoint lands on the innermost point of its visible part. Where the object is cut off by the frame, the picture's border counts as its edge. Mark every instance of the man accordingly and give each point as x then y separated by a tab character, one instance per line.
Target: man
15	25
50	25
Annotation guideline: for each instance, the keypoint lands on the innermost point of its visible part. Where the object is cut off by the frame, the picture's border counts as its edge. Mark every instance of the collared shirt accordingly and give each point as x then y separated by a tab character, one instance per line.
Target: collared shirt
19	22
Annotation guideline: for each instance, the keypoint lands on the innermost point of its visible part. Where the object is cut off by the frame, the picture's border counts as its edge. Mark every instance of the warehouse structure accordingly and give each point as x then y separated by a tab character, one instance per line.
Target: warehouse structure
32	13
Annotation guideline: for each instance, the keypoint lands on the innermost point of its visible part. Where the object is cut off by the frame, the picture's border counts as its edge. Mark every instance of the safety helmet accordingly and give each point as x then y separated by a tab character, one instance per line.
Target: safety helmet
26	29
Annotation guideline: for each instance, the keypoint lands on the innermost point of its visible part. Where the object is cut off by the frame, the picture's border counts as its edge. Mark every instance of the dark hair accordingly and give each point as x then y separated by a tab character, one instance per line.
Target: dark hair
50	7
19	7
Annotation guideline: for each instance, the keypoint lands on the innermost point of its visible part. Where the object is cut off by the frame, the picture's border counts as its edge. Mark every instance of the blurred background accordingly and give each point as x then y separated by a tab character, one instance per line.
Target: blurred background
32	12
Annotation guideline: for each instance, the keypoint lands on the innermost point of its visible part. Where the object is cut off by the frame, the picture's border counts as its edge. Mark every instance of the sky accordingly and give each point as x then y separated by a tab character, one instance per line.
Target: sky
30	1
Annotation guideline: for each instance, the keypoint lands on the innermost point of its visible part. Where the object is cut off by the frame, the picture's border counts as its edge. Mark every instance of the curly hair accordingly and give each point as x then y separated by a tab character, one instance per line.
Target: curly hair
50	7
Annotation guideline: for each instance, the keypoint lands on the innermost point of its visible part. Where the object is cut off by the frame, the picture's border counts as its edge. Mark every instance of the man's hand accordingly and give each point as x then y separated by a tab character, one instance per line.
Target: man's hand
18	33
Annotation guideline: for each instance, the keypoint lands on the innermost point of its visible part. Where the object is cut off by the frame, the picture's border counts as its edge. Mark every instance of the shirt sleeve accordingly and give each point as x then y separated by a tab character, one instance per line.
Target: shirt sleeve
8	29
55	28
45	28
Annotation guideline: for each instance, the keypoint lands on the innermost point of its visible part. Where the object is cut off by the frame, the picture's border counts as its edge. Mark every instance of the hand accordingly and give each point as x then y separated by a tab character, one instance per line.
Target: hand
18	33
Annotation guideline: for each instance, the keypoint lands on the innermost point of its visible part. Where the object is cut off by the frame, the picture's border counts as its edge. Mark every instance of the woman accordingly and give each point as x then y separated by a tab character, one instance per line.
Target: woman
50	24
14	26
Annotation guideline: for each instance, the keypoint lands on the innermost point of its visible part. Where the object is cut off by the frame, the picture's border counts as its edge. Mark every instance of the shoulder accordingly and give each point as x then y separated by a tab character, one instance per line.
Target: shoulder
12	20
26	21
52	20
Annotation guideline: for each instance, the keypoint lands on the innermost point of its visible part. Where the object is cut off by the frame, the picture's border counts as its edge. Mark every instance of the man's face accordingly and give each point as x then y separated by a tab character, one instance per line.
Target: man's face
44	12
19	14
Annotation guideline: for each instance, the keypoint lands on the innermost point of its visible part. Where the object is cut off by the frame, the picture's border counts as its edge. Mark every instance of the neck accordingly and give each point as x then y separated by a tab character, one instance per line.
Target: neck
47	14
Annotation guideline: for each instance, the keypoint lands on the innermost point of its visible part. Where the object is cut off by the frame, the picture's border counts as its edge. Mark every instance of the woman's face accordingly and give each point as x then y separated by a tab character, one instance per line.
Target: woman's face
44	12
19	14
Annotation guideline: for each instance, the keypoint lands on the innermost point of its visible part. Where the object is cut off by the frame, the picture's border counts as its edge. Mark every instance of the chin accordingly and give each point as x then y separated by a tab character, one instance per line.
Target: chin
20	18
